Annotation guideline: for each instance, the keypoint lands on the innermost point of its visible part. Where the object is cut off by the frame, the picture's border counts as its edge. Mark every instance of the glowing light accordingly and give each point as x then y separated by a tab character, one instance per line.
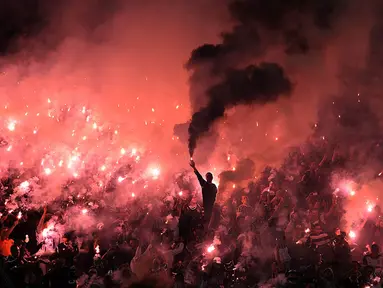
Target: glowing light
95	125
352	234
84	211
120	179
307	230
9	148
45	232
153	110
276	138
133	195
210	249
103	167
155	172
370	207
61	163
84	138
234	186
49	100
122	151
134	151
180	193
35	131
97	249
24	185
352	193
178	106
75	174
12	125
233	168
19	215
48	171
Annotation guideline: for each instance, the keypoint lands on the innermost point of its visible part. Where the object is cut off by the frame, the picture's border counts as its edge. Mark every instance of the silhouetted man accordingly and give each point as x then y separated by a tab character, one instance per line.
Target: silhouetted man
209	192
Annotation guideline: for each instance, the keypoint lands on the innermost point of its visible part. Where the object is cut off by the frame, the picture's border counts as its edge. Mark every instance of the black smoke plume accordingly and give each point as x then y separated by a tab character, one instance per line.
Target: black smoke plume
216	81
252	85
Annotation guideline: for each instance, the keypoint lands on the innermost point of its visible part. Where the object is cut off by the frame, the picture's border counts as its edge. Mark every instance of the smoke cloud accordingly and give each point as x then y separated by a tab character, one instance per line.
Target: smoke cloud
255	84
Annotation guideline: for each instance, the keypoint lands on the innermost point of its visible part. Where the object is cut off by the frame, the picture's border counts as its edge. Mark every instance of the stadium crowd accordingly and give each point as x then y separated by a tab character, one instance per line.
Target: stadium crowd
286	228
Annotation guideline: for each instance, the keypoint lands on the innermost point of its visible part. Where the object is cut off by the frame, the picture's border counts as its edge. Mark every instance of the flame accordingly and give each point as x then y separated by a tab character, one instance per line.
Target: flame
210	249
155	172
24	185
11	125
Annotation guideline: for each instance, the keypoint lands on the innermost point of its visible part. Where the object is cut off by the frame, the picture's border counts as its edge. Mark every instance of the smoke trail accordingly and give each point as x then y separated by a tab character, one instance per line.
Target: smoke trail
298	27
255	84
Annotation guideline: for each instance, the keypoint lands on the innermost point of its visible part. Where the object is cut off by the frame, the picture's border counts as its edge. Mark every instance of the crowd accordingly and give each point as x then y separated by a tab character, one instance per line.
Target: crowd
286	228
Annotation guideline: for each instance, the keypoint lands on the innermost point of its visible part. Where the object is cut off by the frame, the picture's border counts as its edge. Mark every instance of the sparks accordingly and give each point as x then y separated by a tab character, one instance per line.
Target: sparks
307	230
84	211
97	249
120	179
19	215
47	171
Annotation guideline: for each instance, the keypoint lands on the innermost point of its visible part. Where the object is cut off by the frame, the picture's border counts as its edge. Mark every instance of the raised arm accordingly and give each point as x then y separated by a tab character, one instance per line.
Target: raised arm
202	181
10	230
42	220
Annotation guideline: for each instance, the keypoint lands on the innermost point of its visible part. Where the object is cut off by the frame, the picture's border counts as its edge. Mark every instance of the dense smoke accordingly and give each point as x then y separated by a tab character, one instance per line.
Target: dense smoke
258	85
259	26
